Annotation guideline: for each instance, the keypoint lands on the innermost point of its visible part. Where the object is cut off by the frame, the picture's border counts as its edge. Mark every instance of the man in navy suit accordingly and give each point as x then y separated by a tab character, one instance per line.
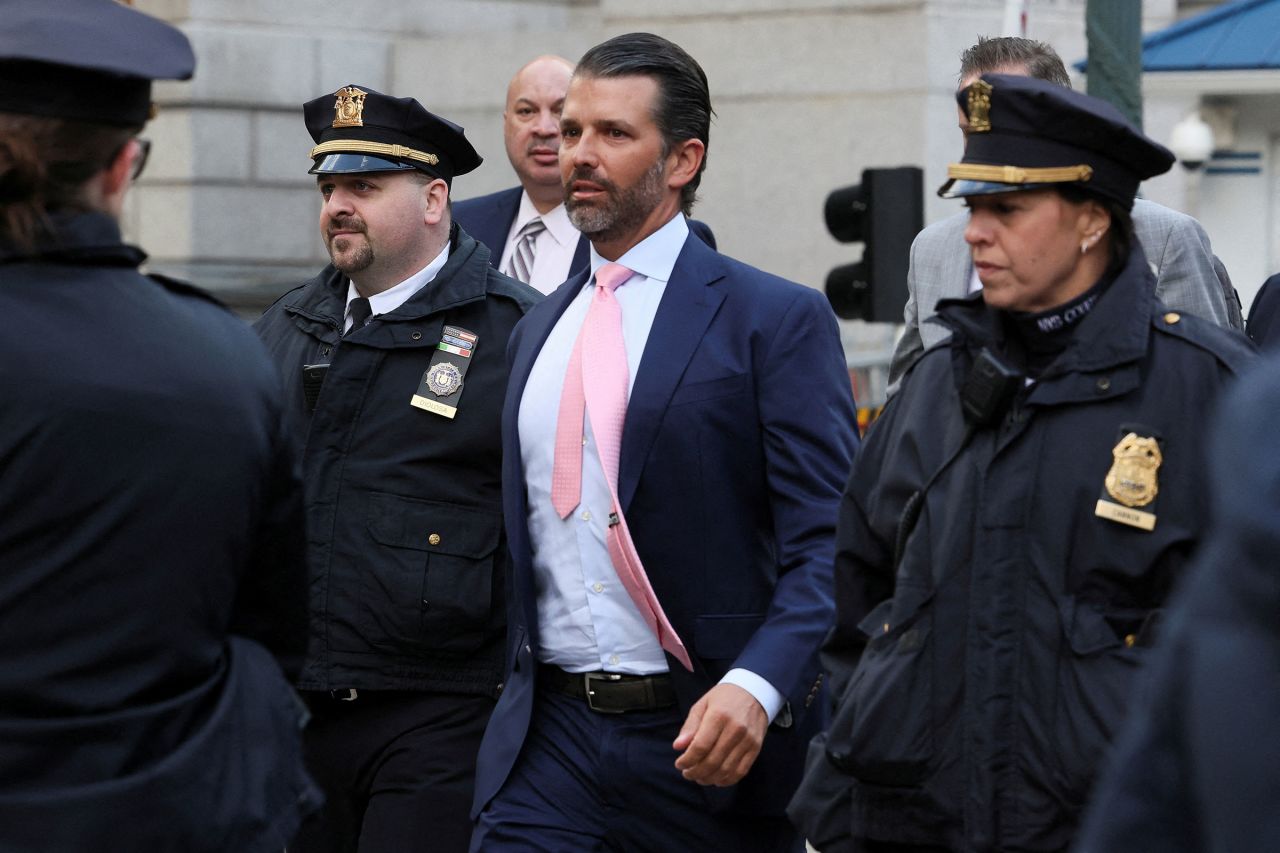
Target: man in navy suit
534	212
663	678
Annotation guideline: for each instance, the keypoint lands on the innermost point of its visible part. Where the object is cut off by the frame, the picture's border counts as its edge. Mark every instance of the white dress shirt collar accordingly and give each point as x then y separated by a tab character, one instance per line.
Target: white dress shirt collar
392	298
554	247
655	256
556	219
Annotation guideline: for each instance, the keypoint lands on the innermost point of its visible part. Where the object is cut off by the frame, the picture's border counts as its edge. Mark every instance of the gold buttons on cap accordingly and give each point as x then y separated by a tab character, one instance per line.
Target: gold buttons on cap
434	539
1172	317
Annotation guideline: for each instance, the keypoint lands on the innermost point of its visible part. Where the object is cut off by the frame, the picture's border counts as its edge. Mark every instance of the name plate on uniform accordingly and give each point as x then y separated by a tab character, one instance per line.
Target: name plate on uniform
1124	515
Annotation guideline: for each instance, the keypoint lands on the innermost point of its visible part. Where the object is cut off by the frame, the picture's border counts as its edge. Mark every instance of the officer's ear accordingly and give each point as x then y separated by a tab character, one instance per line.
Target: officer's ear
436	197
1092	221
116	175
106	190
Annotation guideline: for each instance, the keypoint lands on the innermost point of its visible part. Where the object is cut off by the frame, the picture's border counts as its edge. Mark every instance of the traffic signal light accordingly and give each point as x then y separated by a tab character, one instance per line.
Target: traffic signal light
884	213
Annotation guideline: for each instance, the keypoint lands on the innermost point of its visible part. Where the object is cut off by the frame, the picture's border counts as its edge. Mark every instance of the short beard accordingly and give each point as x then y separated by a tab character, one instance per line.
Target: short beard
358	261
362	258
624	210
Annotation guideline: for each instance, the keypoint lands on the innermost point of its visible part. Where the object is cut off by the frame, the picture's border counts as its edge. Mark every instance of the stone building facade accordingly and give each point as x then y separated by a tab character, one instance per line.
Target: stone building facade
807	94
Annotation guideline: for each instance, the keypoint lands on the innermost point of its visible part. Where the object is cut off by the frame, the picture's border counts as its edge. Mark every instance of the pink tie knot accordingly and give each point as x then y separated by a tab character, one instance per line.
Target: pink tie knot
612	276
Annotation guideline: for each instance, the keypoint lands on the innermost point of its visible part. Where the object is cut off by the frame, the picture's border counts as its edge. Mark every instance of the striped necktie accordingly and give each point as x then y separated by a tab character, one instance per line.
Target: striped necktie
520	264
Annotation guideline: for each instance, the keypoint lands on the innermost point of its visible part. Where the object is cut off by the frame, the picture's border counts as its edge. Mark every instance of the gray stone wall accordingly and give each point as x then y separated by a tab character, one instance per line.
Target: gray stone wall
808	93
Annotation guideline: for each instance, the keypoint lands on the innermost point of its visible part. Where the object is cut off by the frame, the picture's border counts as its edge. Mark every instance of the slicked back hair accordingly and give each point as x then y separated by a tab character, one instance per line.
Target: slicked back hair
991	54
683	107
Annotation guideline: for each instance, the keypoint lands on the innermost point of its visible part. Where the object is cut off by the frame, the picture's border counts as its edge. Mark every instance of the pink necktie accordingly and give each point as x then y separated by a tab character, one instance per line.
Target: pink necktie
600	390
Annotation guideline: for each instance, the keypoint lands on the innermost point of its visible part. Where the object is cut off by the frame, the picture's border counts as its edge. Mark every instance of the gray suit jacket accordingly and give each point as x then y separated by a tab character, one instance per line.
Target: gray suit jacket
1188	276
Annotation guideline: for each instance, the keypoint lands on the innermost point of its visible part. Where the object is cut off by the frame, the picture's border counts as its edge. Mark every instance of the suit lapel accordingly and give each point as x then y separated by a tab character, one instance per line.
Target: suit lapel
686	310
540	323
534	330
581	256
496	227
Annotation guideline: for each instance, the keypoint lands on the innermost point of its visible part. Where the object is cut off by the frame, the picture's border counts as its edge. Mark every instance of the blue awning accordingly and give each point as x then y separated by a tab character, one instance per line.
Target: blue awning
1242	34
1238	35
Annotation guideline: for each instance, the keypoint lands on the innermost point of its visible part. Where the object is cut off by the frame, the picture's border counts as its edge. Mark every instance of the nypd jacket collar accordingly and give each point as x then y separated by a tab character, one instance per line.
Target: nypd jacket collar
320	305
78	238
1102	358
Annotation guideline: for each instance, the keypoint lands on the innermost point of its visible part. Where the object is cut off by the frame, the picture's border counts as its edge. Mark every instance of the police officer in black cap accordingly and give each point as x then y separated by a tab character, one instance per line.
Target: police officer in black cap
1018	515
393	359
151	556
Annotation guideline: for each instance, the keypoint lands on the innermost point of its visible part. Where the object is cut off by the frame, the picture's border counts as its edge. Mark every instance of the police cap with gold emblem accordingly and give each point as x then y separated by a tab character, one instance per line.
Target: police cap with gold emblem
359	130
87	60
1026	133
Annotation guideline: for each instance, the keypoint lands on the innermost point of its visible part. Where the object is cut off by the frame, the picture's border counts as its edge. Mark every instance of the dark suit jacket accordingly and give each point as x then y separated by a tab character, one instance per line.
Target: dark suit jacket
488	218
1264	315
739	435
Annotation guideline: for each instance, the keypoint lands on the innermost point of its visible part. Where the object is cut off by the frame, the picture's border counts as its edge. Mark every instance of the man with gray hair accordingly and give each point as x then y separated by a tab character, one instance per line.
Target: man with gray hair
1188	276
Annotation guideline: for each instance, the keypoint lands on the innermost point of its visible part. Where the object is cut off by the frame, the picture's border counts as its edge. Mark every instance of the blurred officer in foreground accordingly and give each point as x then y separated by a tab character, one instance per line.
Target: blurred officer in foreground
149	508
1195	768
1019	513
394	365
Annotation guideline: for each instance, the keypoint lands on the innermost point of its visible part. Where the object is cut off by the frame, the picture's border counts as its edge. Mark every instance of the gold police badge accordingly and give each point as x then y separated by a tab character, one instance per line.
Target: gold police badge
979	107
1132	478
444	379
349	108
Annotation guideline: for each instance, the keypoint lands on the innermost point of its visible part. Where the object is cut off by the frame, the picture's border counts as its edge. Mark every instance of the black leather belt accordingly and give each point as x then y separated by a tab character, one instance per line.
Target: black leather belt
610	692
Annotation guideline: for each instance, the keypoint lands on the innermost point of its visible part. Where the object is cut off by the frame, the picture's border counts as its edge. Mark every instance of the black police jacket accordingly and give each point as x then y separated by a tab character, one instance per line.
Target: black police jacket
981	679
406	548
149	509
1195	767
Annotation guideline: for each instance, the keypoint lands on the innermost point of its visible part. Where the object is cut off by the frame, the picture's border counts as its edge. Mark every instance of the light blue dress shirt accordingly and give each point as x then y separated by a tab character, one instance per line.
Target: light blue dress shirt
586	619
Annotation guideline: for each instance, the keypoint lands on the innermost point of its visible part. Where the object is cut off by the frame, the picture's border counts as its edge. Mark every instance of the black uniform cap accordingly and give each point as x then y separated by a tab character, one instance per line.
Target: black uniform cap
359	130
90	60
1026	133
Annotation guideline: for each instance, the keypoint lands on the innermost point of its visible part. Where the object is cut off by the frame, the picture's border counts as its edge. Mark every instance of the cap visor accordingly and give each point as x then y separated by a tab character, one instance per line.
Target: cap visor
341	164
956	188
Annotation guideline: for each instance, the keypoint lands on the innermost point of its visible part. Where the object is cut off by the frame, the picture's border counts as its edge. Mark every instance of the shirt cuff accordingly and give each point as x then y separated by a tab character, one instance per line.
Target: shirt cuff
764	692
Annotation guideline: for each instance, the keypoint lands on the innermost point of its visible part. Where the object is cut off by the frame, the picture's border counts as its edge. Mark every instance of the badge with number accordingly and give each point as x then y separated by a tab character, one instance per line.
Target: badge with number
441	386
1132	483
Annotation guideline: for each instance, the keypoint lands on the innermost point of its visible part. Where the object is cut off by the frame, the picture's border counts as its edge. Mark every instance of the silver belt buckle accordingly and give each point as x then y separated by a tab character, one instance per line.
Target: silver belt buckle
587	678
351	694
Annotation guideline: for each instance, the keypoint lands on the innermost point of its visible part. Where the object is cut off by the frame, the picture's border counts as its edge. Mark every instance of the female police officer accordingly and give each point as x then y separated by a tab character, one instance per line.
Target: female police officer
1018	515
148	507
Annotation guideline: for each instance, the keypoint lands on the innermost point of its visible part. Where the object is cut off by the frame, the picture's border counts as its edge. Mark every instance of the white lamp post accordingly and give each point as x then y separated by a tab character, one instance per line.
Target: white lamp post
1192	141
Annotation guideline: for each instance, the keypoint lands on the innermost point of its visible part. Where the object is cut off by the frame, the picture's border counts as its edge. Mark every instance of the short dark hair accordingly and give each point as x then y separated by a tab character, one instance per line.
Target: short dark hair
683	108
990	54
